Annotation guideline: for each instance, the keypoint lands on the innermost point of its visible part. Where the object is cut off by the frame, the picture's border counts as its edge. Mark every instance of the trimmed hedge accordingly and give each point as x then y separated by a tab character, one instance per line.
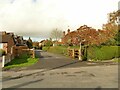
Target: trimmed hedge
2	52
103	52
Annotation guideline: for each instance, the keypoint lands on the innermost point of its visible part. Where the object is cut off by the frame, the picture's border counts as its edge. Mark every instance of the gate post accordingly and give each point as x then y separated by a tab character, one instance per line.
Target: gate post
3	61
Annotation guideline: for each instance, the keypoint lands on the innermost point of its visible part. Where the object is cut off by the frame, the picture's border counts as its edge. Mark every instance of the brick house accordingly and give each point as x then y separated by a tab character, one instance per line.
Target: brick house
7	41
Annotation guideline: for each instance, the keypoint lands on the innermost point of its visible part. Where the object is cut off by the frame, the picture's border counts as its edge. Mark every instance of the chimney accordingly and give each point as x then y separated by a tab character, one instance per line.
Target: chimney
68	31
63	33
4	33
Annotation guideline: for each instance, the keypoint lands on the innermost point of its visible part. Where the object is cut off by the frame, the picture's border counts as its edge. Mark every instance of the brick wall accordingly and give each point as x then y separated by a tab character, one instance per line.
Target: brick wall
18	50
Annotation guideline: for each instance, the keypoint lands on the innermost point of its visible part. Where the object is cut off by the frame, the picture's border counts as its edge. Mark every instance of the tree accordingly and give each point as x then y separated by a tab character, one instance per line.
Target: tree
113	28
48	43
90	36
29	43
56	34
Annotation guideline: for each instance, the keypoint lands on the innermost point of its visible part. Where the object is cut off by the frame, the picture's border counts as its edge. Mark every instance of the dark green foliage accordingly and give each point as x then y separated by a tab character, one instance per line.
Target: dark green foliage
29	44
117	38
84	53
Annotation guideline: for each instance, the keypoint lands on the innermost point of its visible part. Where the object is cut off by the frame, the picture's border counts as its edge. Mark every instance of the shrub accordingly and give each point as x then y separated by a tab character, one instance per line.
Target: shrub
103	53
2	52
48	43
45	48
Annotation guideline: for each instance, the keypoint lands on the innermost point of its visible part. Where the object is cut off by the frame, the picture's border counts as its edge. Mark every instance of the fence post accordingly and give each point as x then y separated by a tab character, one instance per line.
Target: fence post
73	53
80	58
3	61
80	55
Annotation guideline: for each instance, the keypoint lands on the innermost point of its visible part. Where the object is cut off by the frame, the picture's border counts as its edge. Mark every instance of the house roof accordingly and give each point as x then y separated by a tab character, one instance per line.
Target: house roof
4	37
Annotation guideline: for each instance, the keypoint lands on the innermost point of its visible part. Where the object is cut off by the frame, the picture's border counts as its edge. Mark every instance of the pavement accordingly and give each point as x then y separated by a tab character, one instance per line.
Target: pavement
56	71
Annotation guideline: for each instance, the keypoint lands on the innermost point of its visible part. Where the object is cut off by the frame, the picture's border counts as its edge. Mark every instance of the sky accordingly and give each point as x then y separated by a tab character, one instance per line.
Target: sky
37	18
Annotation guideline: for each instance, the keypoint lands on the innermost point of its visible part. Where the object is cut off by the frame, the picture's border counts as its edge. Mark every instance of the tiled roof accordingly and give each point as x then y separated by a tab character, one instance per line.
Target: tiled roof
5	38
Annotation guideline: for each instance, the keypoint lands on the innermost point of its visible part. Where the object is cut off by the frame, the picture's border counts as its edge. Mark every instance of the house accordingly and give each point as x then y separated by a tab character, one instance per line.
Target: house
36	45
19	41
7	41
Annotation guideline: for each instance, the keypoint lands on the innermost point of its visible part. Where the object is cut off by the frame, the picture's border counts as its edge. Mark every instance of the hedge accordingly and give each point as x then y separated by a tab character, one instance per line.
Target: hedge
2	52
103	52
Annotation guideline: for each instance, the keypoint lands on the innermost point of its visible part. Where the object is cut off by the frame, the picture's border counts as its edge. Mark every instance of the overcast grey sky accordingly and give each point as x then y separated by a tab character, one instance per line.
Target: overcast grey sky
36	18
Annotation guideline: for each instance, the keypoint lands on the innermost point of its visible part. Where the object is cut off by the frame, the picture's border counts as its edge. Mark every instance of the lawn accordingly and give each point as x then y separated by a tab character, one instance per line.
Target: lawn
22	61
58	50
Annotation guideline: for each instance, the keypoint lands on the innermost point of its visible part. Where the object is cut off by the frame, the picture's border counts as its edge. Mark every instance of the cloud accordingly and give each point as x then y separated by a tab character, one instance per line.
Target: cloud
37	18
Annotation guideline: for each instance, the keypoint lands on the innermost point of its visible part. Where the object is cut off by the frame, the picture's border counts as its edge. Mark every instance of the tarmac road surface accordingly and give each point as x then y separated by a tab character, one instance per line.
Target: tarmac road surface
56	71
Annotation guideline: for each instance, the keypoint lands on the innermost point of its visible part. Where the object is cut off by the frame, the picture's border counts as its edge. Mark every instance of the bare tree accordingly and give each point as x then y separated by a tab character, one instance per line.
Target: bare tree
56	34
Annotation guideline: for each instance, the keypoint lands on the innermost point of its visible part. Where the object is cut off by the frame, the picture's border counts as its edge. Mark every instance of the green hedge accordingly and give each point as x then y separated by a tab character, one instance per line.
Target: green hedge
2	52
103	52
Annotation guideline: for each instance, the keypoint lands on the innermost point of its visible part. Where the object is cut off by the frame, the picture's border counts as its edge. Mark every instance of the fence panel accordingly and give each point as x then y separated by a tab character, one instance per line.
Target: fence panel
74	53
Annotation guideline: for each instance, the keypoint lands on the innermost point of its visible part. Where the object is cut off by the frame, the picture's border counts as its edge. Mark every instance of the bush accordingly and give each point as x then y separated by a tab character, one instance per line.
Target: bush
45	48
2	52
48	43
103	53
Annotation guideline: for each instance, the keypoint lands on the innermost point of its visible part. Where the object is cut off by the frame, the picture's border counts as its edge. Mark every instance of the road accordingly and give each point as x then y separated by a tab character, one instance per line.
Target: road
50	61
56	71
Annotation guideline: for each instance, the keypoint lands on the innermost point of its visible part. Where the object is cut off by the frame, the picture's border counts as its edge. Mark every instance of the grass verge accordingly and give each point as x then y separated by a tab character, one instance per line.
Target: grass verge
58	50
22	61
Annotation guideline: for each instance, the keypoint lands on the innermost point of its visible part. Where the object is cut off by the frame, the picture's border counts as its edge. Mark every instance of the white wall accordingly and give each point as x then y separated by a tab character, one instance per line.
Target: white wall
1	45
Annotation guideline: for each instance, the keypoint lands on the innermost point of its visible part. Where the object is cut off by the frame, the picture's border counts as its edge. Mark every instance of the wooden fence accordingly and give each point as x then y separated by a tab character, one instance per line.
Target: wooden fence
30	52
74	53
18	50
